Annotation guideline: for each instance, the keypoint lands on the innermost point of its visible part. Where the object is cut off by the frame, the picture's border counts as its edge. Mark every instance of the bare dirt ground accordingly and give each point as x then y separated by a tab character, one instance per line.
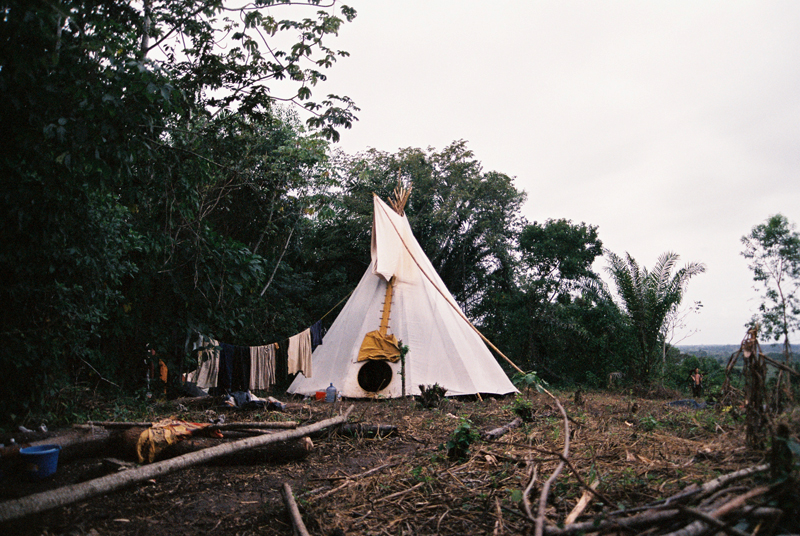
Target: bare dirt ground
639	450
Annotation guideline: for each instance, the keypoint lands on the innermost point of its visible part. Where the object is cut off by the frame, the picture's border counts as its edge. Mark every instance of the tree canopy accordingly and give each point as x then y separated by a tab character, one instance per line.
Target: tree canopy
773	251
148	174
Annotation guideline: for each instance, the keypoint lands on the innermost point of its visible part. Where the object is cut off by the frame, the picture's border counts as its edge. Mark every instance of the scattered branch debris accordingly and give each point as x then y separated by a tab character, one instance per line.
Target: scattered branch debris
655	472
294	512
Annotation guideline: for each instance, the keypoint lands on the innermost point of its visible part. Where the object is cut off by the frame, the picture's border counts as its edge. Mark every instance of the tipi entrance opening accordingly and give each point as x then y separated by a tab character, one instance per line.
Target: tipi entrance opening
374	376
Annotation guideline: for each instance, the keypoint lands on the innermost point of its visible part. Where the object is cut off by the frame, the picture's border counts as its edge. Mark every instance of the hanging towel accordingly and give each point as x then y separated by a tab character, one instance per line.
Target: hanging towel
317	333
300	353
262	367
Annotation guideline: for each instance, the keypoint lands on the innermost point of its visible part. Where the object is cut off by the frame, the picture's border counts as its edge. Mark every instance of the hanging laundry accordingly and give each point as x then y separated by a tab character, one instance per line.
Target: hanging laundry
262	367
225	374
205	375
281	362
241	368
317	332
299	359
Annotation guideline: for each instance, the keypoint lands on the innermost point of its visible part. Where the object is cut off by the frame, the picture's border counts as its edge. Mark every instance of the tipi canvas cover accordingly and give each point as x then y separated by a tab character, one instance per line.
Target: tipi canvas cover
443	347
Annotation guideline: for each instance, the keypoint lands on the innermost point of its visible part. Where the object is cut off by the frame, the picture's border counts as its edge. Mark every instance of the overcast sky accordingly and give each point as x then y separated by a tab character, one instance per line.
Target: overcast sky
672	126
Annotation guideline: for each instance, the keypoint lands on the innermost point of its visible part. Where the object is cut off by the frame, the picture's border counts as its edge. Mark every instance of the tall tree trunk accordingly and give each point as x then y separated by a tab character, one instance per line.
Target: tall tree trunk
145	29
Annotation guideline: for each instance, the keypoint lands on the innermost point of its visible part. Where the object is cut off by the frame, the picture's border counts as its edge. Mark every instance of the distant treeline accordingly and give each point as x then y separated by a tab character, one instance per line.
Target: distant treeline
724	351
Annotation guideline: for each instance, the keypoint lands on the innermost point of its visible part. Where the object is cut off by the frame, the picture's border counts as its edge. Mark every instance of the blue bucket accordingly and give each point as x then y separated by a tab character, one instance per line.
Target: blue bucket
40	461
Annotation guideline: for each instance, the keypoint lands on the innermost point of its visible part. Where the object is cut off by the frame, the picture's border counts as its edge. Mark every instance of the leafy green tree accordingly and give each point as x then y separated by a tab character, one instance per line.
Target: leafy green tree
120	155
537	316
464	218
773	251
557	256
648	298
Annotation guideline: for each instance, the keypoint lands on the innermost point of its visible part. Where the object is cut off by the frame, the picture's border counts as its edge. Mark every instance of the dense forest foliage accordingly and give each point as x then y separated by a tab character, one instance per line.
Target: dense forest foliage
155	187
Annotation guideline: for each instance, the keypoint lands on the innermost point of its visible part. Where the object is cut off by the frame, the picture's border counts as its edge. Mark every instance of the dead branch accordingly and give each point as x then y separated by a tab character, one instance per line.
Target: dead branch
582	504
40	502
713	485
294	512
225	426
491	435
780	365
526	503
739	501
352	479
498	523
645	519
115	424
578	477
702	517
368	430
401	493
549	482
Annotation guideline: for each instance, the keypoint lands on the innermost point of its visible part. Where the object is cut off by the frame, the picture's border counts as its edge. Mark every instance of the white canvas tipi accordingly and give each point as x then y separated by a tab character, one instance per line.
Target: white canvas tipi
421	312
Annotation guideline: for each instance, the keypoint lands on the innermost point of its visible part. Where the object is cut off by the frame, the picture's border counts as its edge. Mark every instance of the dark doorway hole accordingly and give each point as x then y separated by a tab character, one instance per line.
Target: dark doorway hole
374	376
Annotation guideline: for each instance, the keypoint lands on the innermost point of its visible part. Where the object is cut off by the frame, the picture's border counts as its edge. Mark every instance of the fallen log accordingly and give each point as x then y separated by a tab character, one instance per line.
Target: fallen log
39	502
126	444
285	451
491	435
74	443
116	424
277	425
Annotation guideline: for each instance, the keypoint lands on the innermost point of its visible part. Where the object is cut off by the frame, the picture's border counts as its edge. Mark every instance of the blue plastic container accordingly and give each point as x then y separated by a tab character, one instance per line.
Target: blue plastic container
330	394
40	461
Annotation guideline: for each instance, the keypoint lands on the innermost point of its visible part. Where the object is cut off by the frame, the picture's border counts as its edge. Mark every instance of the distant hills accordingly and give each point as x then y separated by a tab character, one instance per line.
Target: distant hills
724	351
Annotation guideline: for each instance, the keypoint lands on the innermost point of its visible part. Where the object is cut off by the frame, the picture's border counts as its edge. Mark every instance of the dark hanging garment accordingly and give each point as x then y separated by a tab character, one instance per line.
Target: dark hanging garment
225	375
317	332
241	368
282	362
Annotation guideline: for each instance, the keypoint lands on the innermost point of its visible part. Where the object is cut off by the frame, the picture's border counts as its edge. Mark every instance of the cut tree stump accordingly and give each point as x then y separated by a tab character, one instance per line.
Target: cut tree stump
40	502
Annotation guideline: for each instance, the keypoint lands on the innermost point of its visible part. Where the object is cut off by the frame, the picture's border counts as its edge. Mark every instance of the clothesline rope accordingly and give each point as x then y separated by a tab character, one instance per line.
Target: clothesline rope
338	304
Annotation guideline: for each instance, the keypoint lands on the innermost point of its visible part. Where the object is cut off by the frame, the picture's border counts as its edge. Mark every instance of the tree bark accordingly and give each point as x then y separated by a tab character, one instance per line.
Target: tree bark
40	502
285	451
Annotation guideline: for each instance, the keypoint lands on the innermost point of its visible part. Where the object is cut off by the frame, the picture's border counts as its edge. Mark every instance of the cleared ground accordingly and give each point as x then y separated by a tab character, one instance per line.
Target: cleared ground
640	450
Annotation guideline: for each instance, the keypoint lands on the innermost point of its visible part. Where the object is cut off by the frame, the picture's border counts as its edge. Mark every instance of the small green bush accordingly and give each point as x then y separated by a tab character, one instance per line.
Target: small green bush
463	437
